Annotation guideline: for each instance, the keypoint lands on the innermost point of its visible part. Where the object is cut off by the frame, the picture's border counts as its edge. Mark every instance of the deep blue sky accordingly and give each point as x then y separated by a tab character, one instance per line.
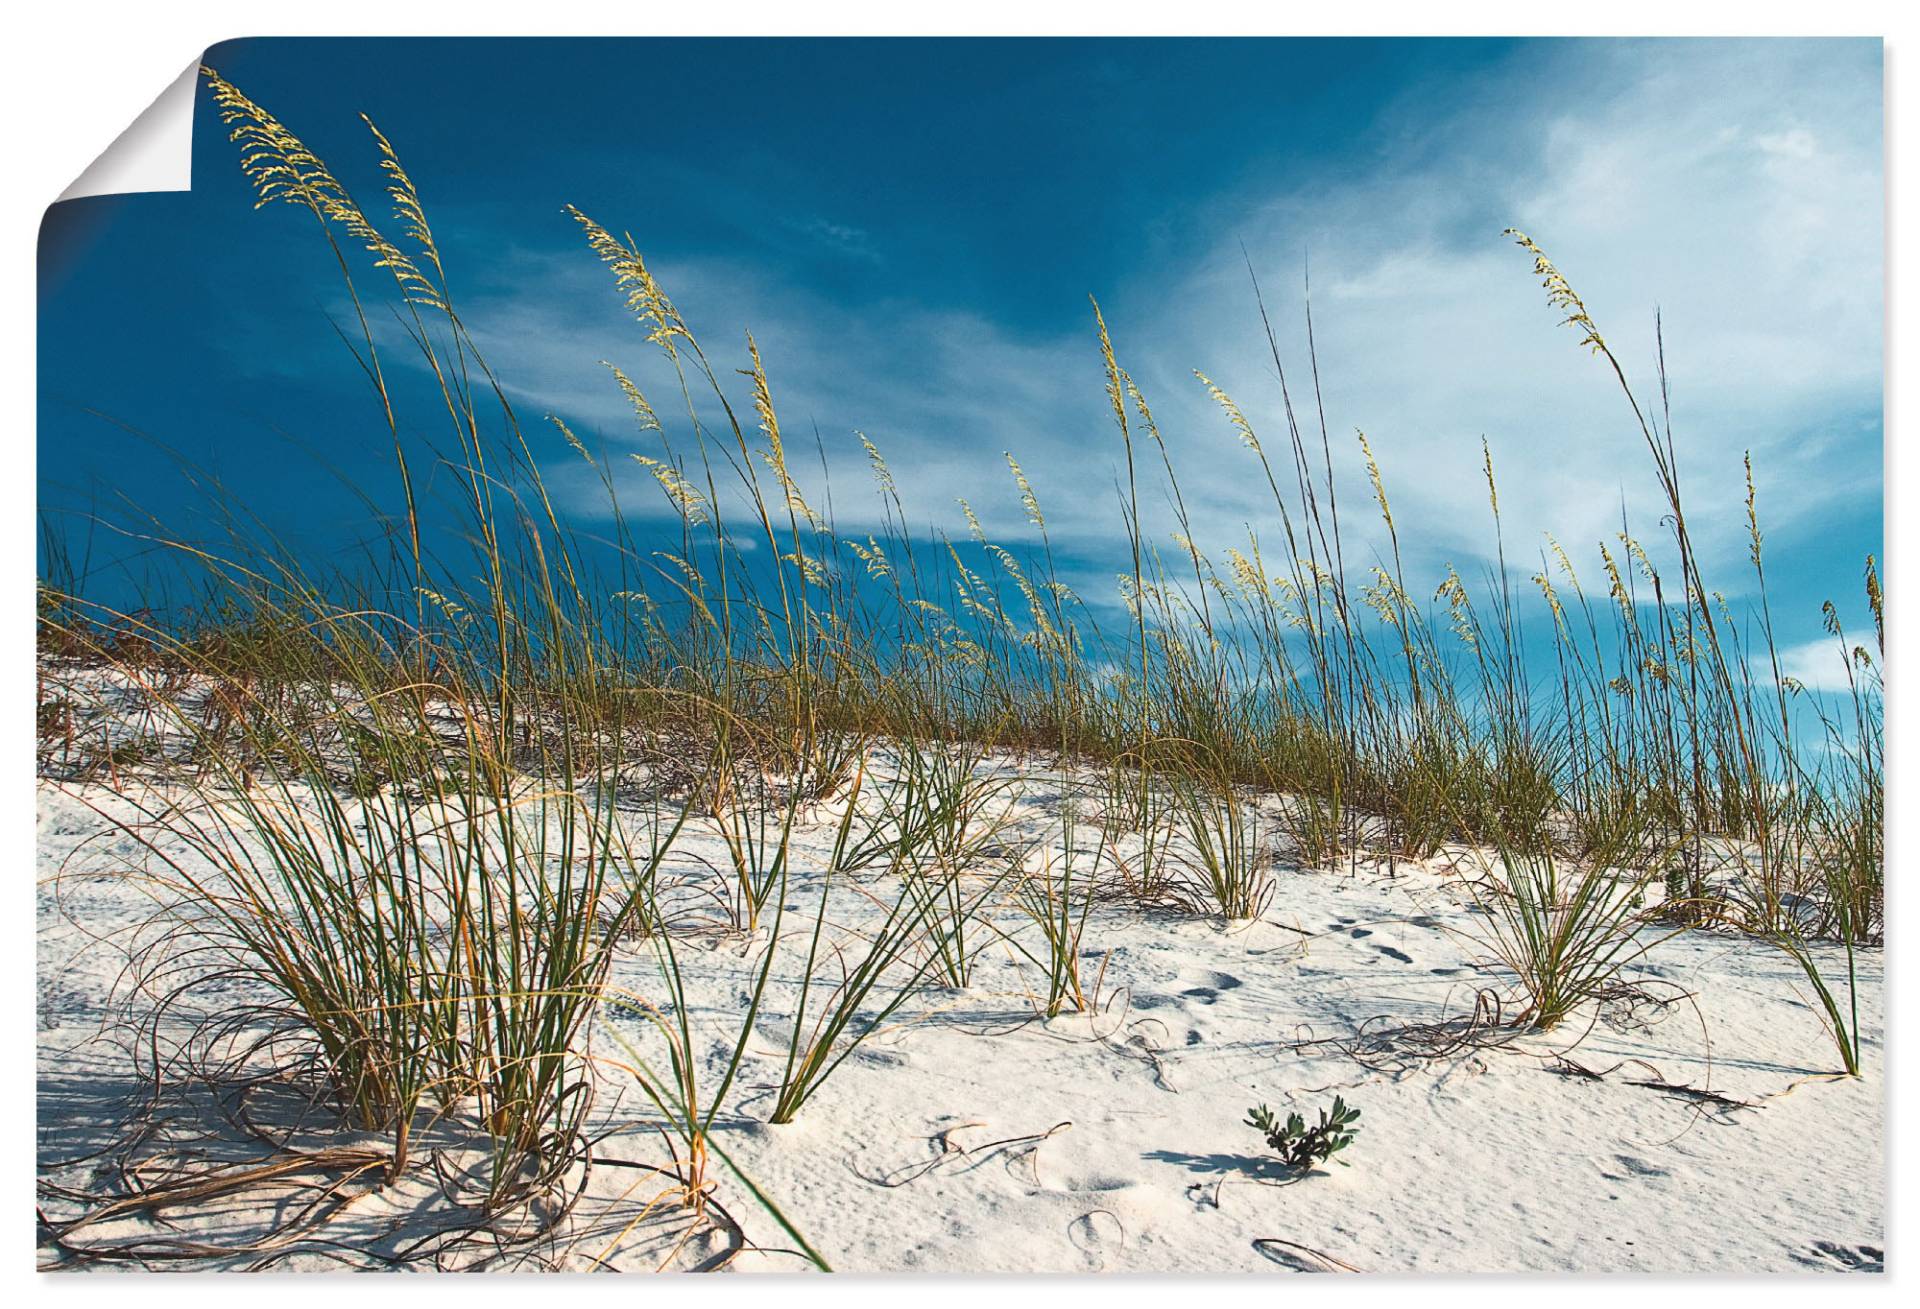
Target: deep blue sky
912	228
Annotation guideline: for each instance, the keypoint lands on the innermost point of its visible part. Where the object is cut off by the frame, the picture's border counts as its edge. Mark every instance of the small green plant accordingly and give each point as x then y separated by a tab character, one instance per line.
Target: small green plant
1301	1146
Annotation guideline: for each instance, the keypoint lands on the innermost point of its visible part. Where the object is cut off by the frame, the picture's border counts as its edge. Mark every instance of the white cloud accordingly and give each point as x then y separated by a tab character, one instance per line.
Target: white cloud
1737	187
1641	172
1822	665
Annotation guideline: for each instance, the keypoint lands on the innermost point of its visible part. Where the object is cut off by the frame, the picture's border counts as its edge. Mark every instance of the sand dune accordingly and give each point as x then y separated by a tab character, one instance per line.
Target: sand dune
1681	1128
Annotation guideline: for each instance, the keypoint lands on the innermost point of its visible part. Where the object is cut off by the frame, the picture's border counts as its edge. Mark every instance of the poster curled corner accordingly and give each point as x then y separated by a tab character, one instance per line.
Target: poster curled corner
155	153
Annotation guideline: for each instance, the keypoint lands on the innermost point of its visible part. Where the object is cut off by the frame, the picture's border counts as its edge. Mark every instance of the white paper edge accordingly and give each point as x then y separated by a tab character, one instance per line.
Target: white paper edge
155	153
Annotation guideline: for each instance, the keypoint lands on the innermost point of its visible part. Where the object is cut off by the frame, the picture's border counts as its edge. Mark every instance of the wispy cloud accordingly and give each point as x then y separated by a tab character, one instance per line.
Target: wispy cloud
1823	665
842	238
1658	179
1735	188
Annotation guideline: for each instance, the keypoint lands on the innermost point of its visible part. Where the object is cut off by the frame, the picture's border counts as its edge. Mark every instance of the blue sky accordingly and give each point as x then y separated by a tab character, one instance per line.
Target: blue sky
911	229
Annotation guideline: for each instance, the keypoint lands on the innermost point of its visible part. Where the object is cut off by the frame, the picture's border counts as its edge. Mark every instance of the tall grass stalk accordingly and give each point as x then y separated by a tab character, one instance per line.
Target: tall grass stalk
1057	899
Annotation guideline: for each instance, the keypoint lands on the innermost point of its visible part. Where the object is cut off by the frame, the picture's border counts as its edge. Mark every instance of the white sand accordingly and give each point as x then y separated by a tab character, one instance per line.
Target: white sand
1485	1158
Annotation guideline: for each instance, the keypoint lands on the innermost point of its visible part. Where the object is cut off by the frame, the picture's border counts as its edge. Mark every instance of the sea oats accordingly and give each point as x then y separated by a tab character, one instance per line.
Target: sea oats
642	411
572	440
644	298
1232	410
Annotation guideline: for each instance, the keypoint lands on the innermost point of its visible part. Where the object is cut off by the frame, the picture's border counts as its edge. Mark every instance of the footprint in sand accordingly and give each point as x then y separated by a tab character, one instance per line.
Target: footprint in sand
1632	1168
1830	1256
1212	985
1392	953
1098	1236
1093	1184
1062	1166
